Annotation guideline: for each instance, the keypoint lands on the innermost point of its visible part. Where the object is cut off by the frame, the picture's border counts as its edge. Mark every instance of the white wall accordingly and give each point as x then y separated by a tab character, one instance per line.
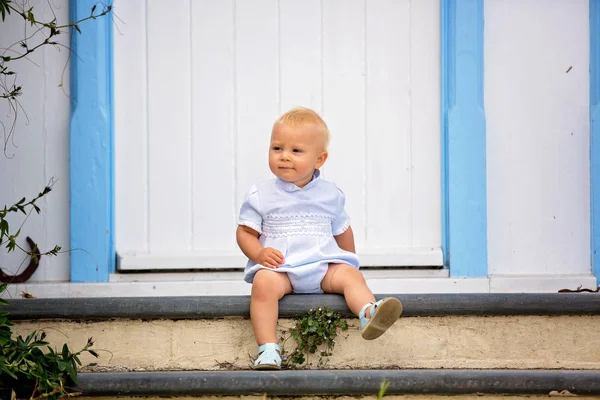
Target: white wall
39	149
537	127
537	136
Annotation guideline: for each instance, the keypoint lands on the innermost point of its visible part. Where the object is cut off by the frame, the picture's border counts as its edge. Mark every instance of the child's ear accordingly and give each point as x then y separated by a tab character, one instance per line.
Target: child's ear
321	160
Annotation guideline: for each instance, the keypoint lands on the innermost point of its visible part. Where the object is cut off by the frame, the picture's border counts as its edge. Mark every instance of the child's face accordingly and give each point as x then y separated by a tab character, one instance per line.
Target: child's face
296	151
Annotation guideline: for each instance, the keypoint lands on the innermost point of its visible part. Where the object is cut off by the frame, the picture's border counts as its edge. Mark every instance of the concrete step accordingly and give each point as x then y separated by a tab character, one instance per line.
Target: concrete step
444	344
550	331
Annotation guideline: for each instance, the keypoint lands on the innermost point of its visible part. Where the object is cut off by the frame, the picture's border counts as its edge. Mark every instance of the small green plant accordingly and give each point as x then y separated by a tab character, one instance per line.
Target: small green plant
9	239
315	331
49	375
382	389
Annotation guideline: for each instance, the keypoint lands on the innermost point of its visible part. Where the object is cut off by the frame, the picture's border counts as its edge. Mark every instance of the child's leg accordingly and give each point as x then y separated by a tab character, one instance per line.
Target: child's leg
349	281
267	288
375	317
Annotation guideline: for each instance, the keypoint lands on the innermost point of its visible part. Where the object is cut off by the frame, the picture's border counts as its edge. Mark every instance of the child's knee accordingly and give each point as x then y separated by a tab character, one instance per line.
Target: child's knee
269	284
354	275
341	276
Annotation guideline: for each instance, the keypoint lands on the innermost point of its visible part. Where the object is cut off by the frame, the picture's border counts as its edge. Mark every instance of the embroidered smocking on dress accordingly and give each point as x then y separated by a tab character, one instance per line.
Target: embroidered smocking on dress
301	223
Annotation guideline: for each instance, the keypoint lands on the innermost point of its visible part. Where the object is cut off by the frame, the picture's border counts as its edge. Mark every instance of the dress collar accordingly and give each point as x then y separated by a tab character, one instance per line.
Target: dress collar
291	187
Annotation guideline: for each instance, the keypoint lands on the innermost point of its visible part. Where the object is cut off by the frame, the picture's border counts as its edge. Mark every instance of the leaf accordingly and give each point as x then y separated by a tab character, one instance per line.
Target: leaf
29	337
4	8
63	365
72	373
382	389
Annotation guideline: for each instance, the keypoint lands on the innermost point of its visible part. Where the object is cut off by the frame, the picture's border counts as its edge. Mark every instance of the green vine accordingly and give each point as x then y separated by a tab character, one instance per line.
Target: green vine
8	239
41	33
314	332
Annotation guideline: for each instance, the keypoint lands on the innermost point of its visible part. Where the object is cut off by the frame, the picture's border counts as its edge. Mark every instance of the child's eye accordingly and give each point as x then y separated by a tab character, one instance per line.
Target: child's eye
276	148
297	151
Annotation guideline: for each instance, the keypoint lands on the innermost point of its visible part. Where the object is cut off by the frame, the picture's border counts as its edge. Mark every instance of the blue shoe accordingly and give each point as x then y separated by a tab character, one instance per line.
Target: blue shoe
269	357
383	315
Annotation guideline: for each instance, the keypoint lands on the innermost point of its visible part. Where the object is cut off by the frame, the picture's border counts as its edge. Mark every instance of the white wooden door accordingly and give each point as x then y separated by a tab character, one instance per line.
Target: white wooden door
199	83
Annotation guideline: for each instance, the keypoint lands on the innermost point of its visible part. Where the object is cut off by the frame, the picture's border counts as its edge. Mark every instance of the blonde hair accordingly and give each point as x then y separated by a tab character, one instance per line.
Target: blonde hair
302	115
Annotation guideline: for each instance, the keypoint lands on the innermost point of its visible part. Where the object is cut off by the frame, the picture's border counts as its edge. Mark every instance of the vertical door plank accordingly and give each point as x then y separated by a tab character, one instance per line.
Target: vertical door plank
300	54
131	128
169	117
388	119
344	103
213	58
426	192
257	77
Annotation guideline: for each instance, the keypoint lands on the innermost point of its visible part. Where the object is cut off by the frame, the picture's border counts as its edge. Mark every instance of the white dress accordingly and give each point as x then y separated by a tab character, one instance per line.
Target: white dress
301	224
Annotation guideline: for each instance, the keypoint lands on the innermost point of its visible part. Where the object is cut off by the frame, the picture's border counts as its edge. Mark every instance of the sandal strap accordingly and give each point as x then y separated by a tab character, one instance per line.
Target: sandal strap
266	346
363	310
269	356
374	306
362	318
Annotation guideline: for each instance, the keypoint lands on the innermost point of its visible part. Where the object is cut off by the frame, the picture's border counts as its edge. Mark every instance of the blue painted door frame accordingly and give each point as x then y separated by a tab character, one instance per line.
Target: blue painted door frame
91	147
464	204
464	213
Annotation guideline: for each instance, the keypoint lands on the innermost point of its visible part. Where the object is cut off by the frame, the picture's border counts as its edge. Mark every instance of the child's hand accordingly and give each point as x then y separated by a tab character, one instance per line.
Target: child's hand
270	257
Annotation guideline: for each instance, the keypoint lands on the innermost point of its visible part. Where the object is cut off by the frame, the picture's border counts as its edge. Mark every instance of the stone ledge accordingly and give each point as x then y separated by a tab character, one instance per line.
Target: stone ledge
202	307
340	382
450	342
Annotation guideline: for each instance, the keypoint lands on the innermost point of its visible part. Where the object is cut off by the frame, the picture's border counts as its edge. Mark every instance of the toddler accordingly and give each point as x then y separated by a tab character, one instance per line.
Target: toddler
297	236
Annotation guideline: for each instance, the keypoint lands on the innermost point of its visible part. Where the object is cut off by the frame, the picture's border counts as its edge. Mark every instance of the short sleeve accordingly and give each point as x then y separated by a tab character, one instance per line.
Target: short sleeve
250	211
341	221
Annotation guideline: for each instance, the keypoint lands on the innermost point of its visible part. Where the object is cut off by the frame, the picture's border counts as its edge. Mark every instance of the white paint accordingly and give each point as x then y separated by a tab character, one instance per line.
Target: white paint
130	113
214	259
213	124
233	286
169	126
38	151
186	158
536	284
537	136
179	276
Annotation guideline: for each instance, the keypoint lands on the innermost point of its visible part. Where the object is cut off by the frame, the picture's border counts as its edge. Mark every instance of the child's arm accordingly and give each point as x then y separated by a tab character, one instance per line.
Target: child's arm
346	240
247	239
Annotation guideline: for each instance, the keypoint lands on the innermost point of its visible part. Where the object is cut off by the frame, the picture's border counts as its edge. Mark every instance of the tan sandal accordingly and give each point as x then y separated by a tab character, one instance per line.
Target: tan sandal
384	314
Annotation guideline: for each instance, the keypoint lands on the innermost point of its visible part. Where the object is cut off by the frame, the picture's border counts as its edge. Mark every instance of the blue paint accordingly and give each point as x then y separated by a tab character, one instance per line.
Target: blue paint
595	134
463	138
91	146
